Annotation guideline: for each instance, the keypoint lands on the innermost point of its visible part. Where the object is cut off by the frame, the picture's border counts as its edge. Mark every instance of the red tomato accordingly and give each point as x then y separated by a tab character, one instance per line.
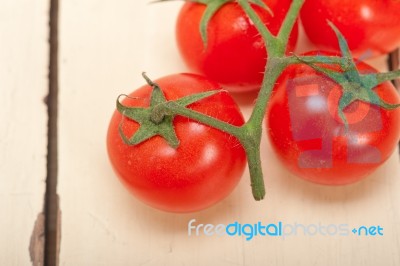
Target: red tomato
310	138
203	170
235	55
371	27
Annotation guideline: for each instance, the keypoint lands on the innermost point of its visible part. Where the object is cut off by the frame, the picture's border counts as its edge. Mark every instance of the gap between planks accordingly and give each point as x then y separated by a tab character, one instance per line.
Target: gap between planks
51	208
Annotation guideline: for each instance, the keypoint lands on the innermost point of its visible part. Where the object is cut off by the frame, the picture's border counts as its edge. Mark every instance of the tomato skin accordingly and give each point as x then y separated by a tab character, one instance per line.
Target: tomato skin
235	54
370	27
309	137
203	170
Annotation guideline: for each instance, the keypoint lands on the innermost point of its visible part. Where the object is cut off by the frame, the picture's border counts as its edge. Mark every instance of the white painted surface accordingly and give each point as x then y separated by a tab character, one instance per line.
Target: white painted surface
104	47
23	118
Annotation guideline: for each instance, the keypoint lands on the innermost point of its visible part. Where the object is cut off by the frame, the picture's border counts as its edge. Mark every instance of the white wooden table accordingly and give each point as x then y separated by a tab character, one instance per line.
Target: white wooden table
103	48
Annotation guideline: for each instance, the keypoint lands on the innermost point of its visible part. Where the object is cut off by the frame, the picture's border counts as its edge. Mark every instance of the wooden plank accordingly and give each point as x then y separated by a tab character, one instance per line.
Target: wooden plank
104	48
23	133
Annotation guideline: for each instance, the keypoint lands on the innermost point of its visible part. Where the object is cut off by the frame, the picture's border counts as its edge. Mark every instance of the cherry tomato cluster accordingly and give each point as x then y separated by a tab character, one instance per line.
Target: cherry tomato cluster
302	119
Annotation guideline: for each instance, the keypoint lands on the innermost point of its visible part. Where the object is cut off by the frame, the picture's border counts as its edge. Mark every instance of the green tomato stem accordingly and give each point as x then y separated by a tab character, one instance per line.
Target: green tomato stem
290	20
250	138
270	40
318	59
382	77
274	68
177	109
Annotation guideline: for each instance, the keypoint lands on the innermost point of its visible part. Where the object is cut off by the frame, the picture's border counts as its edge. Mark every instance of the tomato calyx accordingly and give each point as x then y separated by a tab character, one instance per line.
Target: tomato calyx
212	7
157	119
355	86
